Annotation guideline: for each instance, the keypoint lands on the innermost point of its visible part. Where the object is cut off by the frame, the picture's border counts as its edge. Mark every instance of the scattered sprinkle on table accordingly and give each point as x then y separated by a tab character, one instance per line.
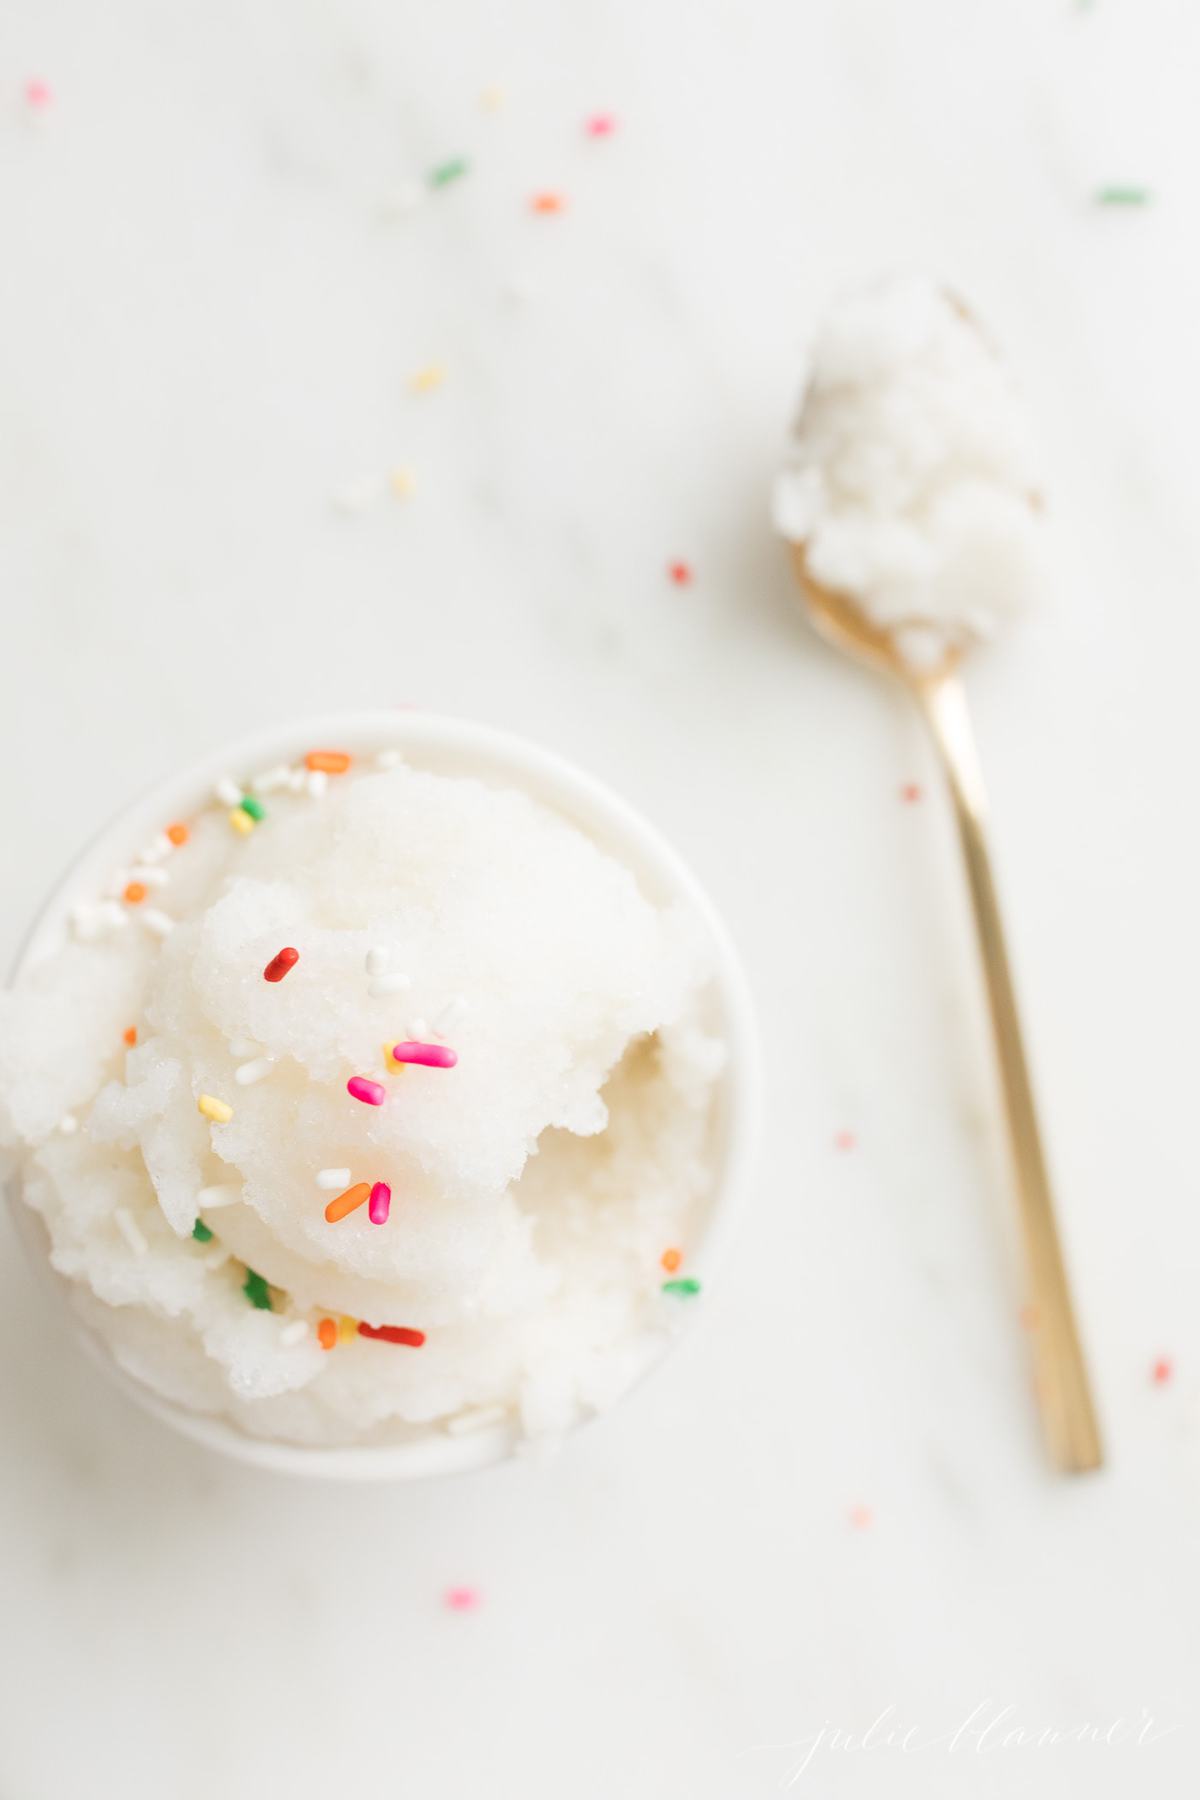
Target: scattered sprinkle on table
216	1110
201	1233
380	1203
400	481
910	793
671	1260
256	1291
548	203
248	1073
346	1203
328	762
371	1093
844	1140
282	961
430	1056
492	99
253	808
425	380
130	1035
860	1517
1162	1371
177	834
600	125
135	892
452	170
241	822
327	1333
680	573
463	1599
392	1334
38	93
686	1286
1120	195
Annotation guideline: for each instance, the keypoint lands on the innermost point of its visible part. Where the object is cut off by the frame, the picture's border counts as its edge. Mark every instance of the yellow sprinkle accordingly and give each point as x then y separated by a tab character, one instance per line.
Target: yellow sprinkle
347	1328
401	483
492	99
428	378
241	821
216	1110
390	1063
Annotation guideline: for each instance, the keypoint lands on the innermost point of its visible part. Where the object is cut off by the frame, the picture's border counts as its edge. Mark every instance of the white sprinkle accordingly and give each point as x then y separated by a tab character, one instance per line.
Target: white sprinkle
129	1229
271	779
477	1418
419	1028
68	1124
87	922
298	779
157	850
333	1178
250	1072
158	922
118	881
383	985
228	792
114	915
295	1333
388	759
378	958
243	1047
317	782
150	875
225	1193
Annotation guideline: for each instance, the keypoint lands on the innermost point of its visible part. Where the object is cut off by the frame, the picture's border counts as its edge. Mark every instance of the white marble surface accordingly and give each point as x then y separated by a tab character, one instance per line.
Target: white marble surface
212	305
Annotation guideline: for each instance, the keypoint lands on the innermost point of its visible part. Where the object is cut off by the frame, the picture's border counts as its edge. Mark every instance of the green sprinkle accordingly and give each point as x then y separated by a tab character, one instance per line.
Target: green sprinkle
447	172
254	807
201	1233
686	1285
1122	196
256	1291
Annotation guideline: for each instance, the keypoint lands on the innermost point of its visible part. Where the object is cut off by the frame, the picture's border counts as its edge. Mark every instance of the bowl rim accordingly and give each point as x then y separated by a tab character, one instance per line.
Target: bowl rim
452	745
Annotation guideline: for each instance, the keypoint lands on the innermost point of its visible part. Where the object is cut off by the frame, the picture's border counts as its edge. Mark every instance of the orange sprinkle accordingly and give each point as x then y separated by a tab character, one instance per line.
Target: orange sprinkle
548	203
861	1517
130	1035
178	834
358	1195
135	892
328	762
327	1333
671	1260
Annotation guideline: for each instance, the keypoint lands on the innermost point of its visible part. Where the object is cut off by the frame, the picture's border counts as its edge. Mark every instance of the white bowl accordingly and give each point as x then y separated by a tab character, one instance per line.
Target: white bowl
452	746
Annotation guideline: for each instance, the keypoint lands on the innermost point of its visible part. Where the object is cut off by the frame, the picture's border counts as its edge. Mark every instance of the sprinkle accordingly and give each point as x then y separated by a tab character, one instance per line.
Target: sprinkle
432	1056
160	923
844	1140
347	1328
860	1517
156	851
418	1028
671	1260
392	1334
37	93
128	1227
316	782
446	172
329	762
135	892
272	779
548	203
241	1048
687	1286
178	834
377	959
681	573
400	482
333	1178
910	793
228	792
280	963
295	1333
327	1333
388	759
247	1073
600	125
1119	195
384	986
256	1291
130	1035
463	1599
150	875
216	1110
253	807
492	99
390	1063
371	1093
380	1203
1162	1371
68	1124
476	1418
346	1203
201	1233
241	821
225	1193
425	380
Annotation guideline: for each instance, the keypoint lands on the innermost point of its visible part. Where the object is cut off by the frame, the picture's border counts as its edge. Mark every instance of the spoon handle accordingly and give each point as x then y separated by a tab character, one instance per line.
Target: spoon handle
1064	1395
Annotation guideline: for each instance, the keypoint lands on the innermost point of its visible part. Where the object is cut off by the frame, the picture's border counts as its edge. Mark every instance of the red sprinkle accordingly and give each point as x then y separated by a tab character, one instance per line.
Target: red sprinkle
277	968
680	573
1162	1371
910	793
392	1334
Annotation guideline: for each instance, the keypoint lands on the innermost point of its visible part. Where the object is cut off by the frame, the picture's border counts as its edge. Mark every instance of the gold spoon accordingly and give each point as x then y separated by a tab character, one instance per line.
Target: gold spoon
1064	1396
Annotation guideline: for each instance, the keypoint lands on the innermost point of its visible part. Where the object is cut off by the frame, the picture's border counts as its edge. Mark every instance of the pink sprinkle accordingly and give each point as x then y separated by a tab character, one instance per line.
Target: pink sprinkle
380	1203
434	1056
600	125
910	793
860	1517
844	1140
1162	1371
371	1093
37	93
680	573
463	1599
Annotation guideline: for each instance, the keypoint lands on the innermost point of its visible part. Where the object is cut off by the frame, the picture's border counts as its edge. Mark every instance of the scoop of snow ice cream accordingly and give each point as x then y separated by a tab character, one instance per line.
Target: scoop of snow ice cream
910	475
534	1182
